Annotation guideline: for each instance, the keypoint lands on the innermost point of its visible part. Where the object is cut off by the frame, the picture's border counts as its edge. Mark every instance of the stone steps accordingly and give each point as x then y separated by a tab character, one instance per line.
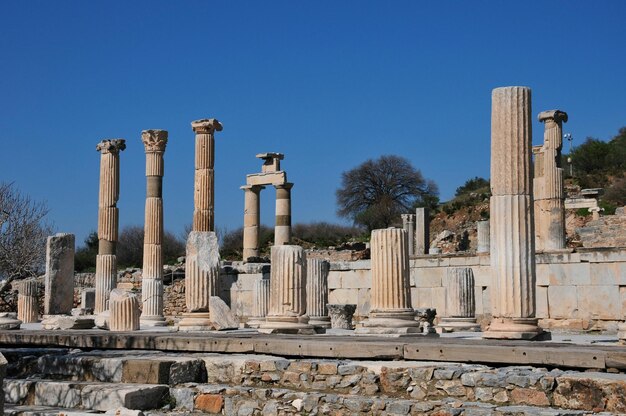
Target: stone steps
24	410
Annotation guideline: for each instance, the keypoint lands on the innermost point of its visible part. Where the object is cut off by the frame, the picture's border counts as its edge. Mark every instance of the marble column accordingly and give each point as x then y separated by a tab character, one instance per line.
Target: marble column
460	301
59	279
422	231
124	311
482	231
408	224
282	230
251	220
511	214
391	311
549	195
317	292
260	302
154	142
287	313
108	214
27	301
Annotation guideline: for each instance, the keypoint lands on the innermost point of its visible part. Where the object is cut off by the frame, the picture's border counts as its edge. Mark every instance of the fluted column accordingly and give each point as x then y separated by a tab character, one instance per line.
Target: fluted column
124	311
317	292
511	215
482	231
549	196
260	302
422	231
391	310
460	301
27	301
287	312
251	220
408	224
154	142
282	230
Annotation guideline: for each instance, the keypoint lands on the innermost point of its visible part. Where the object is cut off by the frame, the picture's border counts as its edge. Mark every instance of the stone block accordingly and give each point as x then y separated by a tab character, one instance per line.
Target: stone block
357	279
363	302
146	371
88	298
428	277
604	273
599	302
57	394
334	280
575	274
246	281
221	315
622	295
562	302
16	391
439	301
482	276
424	298
59	279
210	403
138	397
342	296
486	300
184	398
187	371
541	294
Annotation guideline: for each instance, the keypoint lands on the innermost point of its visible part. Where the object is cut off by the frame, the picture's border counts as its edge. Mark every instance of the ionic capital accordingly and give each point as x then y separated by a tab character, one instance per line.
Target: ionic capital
111	146
154	140
206	126
556	116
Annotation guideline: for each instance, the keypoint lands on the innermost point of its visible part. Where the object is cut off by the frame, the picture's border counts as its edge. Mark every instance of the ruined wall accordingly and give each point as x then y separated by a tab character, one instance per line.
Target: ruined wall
607	231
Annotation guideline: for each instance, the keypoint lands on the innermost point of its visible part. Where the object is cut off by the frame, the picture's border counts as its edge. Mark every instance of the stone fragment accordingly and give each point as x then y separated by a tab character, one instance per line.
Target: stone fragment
53	322
221	315
8	320
59	279
124	311
27	302
341	315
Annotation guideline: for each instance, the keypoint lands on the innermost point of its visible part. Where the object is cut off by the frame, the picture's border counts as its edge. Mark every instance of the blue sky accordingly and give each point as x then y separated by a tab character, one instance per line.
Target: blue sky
330	84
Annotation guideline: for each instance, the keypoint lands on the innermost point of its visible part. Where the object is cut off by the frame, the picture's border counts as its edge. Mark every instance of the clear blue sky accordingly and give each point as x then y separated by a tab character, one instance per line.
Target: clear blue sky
328	83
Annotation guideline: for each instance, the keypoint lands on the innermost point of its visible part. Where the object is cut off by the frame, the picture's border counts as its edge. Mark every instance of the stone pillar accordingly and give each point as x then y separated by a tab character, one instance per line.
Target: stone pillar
482	231
549	195
408	224
460	301
108	214
282	230
287	312
422	231
124	311
59	295
27	301
511	215
152	280
317	292
251	220
261	302
391	311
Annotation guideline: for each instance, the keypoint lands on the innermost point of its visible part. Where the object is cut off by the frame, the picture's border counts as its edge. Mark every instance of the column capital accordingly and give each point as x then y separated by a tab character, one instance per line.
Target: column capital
154	140
556	116
253	188
408	217
206	126
111	146
286	185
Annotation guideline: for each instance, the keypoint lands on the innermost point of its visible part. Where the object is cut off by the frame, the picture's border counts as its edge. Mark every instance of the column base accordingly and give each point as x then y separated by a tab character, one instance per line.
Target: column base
320	321
458	324
152	321
196	321
255	321
516	328
287	325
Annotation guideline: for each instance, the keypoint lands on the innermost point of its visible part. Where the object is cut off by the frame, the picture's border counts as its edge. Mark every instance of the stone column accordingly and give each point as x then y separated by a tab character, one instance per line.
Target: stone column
124	311
282	230
261	302
251	220
317	292
391	311
511	215
287	312
408	224
482	231
27	301
154	142
108	214
422	231
59	295
548	185
460	301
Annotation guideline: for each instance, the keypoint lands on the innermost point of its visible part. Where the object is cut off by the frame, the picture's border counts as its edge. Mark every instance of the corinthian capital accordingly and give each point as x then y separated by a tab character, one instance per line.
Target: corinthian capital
111	146
154	140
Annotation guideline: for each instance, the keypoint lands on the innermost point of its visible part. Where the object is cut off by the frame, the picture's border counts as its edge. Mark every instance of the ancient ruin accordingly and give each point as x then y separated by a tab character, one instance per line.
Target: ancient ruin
460	301
317	292
59	280
27	301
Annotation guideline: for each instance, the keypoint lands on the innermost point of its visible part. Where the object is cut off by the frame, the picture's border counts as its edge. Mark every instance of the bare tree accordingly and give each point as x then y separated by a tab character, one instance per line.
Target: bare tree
23	232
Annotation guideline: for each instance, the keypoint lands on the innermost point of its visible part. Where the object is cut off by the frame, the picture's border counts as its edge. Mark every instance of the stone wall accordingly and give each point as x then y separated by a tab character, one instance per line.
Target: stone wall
607	231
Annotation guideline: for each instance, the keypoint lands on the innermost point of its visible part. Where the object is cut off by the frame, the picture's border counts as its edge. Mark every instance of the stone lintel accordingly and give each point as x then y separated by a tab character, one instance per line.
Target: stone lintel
206	126
269	178
555	115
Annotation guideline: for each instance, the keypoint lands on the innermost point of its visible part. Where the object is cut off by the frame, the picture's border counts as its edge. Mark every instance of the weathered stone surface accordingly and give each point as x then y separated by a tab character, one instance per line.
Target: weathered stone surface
124	311
27	301
210	403
341	315
317	292
202	270
59	280
137	396
8	320
221	315
52	322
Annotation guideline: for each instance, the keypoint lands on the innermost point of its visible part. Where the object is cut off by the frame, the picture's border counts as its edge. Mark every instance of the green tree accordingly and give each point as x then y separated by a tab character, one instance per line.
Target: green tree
85	258
474	185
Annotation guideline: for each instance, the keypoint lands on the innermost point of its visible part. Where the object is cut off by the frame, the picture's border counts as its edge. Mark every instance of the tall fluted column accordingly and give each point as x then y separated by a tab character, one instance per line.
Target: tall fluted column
282	230
27	304
422	231
260	302
152	280
391	311
317	292
482	231
548	185
511	215
287	312
251	220
460	301
108	214
408	224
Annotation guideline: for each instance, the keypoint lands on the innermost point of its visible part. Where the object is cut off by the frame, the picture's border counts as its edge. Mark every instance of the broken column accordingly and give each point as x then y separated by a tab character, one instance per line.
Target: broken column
422	231
260	302
154	142
282	230
27	301
391	311
460	301
408	224
549	195
108	216
251	220
482	231
317	292
59	279
511	215
287	312
124	311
